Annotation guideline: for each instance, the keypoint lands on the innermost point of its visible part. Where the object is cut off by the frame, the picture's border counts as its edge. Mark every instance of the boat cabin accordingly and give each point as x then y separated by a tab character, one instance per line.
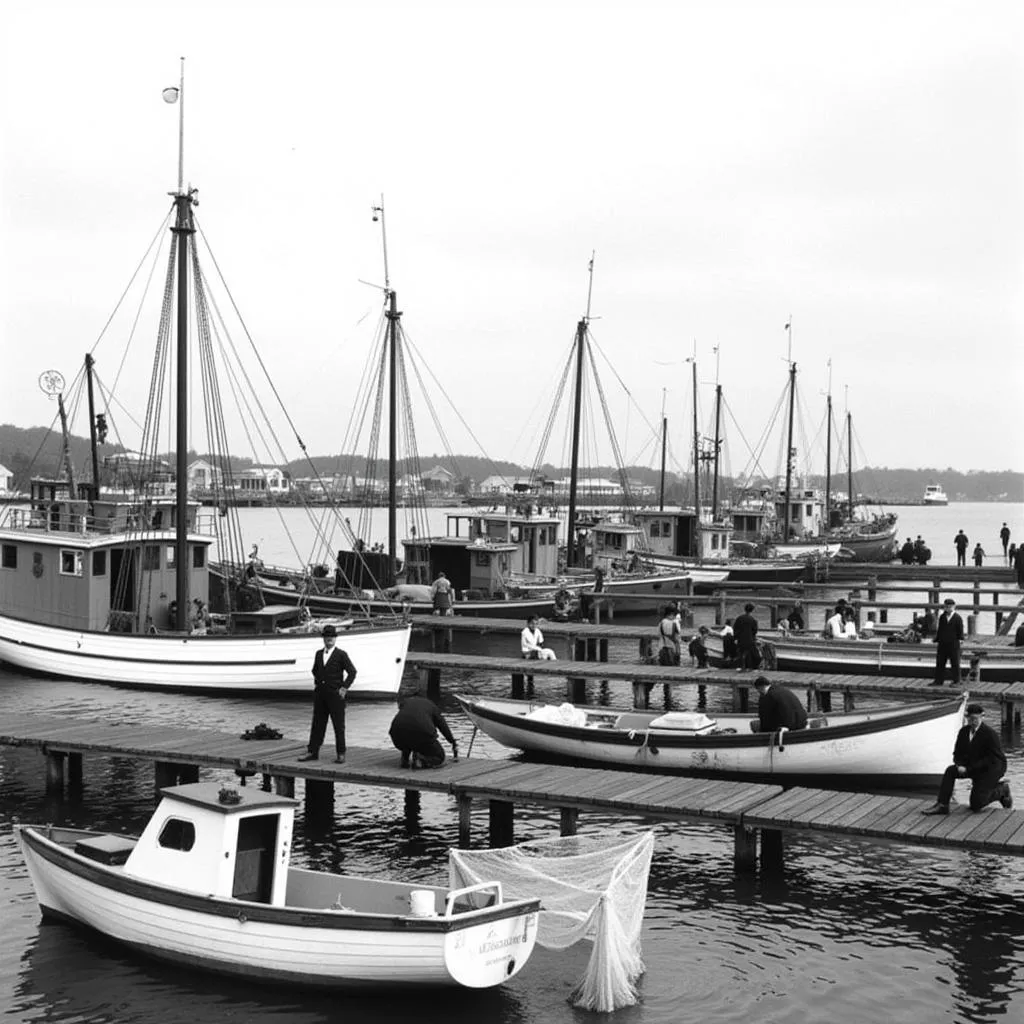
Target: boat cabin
760	520
679	534
481	549
612	546
102	564
216	841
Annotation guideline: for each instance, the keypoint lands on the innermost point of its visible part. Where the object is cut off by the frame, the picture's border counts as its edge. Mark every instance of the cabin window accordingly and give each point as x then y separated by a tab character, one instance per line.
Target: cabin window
171	560
70	562
714	542
151	557
809	511
483	559
99	563
177	834
655	528
9	556
198	557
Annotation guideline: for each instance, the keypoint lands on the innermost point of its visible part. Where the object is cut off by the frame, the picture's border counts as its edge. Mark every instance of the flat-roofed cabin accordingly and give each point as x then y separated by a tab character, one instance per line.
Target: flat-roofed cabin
105	564
676	533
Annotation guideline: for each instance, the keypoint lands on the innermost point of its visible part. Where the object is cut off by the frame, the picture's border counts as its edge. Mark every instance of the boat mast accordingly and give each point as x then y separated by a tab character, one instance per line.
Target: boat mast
849	465
581	341
828	451
789	438
92	433
183	231
696	464
664	437
718	443
393	316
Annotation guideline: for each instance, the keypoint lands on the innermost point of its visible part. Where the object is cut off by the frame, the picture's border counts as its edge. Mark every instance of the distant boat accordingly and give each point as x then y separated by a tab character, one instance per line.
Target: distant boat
935	495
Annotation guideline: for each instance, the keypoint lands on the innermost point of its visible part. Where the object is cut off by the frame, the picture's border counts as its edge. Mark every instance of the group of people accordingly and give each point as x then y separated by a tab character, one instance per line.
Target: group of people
915	552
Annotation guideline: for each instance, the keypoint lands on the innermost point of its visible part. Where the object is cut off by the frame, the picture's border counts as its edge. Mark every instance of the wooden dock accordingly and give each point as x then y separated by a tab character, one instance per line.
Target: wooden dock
751	810
818	687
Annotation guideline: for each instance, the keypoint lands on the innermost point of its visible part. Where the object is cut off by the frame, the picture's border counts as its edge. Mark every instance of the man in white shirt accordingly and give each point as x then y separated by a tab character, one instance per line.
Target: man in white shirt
532	642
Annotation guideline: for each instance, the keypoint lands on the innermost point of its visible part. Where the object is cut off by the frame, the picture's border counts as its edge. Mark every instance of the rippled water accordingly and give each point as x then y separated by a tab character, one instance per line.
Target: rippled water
851	931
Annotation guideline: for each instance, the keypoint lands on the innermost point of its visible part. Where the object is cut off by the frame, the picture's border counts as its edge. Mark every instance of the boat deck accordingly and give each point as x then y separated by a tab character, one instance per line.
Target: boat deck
745	806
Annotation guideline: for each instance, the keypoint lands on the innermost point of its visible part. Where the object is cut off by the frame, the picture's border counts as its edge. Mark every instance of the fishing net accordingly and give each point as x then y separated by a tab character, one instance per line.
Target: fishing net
591	887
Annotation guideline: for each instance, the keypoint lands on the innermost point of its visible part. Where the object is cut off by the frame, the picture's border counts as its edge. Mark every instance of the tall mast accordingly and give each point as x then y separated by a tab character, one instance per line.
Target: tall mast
183	231
849	465
92	430
789	452
577	405
718	442
828	451
393	316
664	436
696	465
69	469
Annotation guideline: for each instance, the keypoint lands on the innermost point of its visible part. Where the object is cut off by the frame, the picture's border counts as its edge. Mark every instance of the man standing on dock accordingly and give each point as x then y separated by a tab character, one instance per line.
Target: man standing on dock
1004	536
745	628
441	595
978	756
949	634
333	673
961	542
778	708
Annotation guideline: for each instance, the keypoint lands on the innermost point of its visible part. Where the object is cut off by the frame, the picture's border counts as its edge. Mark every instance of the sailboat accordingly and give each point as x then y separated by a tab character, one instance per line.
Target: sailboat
100	586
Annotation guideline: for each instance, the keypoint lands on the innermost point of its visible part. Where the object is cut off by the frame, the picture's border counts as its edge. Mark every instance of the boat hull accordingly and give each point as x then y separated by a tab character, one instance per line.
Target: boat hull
904	747
878	658
270	663
291	944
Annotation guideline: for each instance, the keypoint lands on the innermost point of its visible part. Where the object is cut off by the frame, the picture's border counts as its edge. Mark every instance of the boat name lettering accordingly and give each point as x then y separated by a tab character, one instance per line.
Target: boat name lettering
490	947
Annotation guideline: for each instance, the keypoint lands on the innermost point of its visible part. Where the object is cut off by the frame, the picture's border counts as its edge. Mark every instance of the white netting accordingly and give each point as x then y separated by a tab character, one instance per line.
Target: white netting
590	887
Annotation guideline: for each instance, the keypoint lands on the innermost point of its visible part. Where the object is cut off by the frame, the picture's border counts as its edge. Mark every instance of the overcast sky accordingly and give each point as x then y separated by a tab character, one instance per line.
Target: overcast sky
853	166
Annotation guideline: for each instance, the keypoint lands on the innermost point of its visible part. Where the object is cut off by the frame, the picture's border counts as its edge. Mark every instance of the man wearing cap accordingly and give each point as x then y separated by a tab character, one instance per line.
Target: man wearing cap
949	634
778	708
333	673
978	756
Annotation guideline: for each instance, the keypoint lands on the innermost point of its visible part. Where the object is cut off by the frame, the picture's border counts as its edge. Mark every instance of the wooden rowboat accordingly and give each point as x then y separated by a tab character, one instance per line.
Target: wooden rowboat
904	746
208	884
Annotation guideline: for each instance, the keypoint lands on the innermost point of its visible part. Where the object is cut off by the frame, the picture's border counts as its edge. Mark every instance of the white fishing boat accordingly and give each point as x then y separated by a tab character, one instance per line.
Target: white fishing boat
209	885
934	495
891	747
114	586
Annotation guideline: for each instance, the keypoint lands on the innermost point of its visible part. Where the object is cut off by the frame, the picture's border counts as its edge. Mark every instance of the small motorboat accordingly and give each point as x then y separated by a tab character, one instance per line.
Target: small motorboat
898	746
208	884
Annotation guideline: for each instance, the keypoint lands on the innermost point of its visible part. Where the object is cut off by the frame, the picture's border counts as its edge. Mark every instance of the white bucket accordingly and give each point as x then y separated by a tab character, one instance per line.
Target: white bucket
421	903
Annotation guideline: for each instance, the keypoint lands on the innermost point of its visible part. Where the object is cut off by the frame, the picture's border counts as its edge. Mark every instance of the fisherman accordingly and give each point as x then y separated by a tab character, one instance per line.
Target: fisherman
778	708
414	732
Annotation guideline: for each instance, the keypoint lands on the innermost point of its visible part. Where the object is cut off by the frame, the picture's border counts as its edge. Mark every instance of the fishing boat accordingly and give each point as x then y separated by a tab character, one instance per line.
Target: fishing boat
934	495
114	586
890	747
996	661
209	885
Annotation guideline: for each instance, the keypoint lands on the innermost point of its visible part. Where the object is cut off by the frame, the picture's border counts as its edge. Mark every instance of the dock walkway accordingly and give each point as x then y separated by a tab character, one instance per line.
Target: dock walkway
749	808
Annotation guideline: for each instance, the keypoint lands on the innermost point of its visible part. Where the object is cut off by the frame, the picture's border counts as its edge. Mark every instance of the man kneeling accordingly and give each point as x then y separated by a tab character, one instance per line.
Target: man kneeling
414	732
978	756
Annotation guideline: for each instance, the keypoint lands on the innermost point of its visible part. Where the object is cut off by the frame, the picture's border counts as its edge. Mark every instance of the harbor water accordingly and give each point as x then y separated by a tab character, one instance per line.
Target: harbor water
850	931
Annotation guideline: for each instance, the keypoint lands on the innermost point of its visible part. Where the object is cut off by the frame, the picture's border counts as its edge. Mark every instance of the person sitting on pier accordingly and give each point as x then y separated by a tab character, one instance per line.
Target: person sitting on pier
978	756
778	708
531	641
414	732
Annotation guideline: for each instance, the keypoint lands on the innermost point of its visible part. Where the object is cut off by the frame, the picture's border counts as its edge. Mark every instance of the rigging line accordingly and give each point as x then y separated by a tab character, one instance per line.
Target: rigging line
629	395
553	415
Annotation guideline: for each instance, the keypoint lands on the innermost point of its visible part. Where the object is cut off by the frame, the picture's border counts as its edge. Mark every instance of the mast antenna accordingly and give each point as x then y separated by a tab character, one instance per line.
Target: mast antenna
590	284
789	339
176	94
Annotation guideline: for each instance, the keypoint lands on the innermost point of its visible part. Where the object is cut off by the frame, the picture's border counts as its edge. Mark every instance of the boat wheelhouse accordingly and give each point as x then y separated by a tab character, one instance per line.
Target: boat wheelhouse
935	495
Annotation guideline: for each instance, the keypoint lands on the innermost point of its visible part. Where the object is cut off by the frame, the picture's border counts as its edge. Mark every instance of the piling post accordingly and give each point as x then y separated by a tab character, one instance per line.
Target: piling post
412	809
267	782
54	772
569	820
999	615
575	687
319	800
465	820
602	650
744	848
972	625
164	774
771	851
501	823
517	686
284	785
433	683
75	771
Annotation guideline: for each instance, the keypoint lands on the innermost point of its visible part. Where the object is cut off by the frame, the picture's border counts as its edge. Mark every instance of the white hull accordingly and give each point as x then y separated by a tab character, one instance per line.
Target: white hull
298	944
908	745
272	663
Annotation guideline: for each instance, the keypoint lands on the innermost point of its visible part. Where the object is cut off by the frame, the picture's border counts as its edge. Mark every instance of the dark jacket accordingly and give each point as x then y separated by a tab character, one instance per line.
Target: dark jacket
949	630
337	674
780	707
745	628
418	720
981	756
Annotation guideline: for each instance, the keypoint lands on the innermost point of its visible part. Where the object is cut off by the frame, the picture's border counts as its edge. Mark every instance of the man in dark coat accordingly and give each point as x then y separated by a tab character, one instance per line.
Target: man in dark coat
414	732
978	756
778	708
907	552
333	673
745	628
1004	536
961	542
949	634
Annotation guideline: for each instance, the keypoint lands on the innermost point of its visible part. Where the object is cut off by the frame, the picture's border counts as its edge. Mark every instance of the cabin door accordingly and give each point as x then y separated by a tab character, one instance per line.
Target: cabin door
254	858
122	580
